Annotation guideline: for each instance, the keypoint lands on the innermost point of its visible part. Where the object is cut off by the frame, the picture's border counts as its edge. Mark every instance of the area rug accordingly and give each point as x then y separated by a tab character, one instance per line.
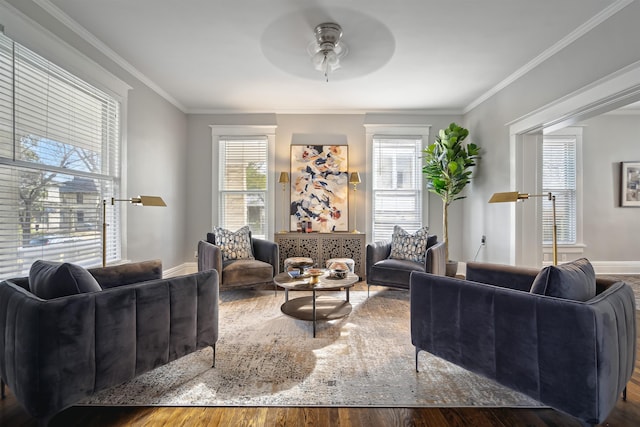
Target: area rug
265	358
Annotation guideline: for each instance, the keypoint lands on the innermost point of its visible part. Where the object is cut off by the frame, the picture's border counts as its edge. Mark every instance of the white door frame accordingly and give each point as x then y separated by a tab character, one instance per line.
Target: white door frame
609	93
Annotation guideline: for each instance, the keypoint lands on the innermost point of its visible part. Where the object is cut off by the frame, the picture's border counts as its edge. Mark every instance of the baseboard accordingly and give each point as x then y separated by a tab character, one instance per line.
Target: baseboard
181	270
616	267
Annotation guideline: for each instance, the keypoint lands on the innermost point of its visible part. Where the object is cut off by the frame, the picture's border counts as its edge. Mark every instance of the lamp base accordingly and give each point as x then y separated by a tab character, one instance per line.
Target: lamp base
282	231
356	232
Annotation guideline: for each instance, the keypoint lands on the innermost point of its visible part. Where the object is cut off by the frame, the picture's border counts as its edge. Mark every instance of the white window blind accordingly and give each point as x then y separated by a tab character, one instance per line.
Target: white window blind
559	177
243	183
397	189
59	157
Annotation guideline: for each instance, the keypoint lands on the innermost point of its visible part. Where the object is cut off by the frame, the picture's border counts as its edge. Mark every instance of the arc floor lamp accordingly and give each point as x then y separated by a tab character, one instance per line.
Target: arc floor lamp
514	196
140	200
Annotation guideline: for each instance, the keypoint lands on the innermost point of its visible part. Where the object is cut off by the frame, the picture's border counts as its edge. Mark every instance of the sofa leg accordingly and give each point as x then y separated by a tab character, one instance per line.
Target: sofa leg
417	351
214	355
2	395
624	394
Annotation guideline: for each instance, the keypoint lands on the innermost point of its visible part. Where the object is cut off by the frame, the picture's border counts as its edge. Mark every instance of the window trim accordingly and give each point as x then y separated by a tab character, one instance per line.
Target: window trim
268	131
563	249
30	56
391	130
29	33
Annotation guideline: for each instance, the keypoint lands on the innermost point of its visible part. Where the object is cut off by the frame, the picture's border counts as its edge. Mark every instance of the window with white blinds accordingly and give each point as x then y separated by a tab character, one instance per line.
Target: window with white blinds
397	188
243	183
59	157
559	176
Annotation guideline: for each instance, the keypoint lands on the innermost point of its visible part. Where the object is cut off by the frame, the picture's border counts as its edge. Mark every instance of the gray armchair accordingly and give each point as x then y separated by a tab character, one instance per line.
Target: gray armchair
241	272
395	273
54	352
575	356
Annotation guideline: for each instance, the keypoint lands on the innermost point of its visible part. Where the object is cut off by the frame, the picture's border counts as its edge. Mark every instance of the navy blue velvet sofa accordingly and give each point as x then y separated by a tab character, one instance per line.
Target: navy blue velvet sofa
574	356
54	352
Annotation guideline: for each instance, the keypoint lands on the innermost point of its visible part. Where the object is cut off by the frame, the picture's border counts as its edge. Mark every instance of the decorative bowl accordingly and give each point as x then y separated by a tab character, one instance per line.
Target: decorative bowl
338	273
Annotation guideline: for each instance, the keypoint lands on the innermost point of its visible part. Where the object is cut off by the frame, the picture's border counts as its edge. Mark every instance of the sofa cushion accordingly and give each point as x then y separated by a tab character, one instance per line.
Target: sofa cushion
246	272
575	280
411	247
234	244
49	280
395	272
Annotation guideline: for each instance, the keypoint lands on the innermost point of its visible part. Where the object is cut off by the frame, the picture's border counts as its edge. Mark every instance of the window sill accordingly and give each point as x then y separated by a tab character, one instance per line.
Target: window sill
565	253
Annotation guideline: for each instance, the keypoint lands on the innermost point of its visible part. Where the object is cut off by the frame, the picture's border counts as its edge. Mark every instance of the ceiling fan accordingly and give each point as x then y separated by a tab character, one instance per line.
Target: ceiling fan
341	43
328	49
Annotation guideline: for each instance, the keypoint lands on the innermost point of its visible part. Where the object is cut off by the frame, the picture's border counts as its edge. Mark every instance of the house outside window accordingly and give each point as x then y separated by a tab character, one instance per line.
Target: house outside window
59	156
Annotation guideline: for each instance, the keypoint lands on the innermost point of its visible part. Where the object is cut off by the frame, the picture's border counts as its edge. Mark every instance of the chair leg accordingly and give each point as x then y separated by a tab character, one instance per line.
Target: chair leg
624	394
417	351
368	285
2	395
214	355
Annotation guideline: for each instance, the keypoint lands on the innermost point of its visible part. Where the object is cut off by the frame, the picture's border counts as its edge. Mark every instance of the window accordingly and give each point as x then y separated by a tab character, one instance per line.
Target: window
59	157
559	176
243	183
397	184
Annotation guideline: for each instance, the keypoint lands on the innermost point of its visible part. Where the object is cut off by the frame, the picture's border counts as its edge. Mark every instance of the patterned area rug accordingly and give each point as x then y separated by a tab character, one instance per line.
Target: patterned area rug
265	358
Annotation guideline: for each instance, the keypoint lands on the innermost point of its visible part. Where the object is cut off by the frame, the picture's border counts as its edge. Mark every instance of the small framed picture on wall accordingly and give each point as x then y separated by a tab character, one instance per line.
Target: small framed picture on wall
630	184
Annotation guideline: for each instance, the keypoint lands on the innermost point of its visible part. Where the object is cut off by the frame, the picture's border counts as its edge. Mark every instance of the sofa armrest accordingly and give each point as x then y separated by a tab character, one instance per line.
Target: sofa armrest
377	251
505	276
435	260
209	257
267	251
125	274
573	356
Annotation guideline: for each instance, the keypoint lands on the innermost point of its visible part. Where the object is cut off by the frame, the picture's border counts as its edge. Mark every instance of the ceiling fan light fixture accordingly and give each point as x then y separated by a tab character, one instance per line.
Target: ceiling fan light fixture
328	49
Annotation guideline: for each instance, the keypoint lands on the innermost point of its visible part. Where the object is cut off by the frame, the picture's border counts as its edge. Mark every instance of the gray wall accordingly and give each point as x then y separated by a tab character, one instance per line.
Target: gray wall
605	49
294	128
610	231
161	162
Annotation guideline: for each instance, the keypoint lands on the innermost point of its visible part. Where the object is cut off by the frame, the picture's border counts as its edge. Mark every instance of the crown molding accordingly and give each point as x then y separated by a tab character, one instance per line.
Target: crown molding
326	112
29	33
557	47
87	36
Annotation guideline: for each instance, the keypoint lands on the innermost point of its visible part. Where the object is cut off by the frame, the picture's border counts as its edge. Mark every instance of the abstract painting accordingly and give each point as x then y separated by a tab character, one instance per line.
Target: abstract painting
320	187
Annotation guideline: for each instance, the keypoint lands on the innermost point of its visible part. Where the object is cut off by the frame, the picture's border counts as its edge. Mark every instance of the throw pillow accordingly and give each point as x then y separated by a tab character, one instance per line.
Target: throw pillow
575	280
407	246
234	245
49	280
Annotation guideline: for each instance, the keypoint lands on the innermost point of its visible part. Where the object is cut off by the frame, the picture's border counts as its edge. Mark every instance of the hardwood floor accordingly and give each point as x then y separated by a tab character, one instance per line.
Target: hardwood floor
626	413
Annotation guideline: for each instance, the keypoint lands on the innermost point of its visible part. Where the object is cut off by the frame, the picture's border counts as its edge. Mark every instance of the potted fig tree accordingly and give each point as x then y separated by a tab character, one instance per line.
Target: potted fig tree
447	170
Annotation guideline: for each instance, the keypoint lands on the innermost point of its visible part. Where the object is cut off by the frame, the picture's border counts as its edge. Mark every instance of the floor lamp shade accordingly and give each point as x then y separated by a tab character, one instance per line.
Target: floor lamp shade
514	196
140	200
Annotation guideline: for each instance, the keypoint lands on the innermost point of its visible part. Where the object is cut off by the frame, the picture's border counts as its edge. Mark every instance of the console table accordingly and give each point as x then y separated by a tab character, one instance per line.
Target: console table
323	246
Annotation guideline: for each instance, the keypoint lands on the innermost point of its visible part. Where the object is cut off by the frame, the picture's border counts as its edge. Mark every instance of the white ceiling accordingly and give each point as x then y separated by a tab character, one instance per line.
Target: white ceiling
250	55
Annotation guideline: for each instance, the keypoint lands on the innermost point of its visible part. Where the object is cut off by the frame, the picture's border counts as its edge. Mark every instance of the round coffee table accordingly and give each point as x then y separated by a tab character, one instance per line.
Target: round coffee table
315	307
